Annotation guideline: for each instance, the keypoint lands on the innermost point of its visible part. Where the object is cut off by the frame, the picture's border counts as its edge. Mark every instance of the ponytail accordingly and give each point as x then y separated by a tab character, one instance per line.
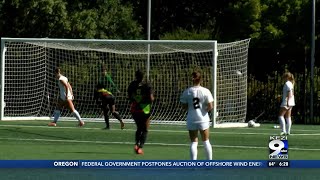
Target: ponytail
290	77
196	77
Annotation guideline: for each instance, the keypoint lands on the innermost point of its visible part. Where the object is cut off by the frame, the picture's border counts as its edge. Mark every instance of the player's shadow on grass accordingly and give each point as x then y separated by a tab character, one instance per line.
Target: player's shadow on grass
16	131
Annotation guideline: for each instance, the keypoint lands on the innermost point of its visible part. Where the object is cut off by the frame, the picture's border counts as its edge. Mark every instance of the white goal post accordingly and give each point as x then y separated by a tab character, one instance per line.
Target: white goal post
29	89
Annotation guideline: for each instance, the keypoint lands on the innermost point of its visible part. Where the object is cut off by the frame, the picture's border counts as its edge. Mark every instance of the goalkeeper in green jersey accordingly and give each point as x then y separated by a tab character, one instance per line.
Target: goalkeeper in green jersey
105	99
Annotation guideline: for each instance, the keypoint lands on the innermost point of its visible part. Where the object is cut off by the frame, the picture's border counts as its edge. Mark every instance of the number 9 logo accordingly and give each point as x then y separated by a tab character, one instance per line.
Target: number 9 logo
277	149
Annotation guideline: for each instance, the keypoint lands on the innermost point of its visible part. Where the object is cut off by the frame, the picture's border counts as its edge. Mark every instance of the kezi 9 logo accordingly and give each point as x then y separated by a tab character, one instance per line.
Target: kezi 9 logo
278	147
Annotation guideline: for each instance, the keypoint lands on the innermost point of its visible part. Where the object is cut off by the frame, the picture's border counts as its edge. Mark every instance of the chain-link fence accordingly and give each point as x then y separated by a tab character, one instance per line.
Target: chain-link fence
265	84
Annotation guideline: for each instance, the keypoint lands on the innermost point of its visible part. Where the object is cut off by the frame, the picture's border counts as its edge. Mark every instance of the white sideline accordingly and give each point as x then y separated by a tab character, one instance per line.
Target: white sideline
153	122
131	143
160	130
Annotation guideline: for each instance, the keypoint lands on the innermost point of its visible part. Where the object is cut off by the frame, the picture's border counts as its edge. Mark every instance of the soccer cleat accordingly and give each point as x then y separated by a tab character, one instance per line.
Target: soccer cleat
81	123
122	124
139	151
282	133
106	128
52	124
136	147
288	134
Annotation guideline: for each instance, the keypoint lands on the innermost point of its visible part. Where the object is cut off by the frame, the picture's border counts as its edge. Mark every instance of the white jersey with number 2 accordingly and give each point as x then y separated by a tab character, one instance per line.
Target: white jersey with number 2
63	94
197	98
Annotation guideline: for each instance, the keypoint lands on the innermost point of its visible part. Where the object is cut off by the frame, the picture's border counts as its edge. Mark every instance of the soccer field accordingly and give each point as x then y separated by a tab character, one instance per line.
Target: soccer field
35	140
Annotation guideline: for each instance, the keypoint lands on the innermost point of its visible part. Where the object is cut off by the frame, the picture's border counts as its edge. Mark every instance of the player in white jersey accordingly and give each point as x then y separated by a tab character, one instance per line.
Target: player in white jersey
65	99
287	103
198	101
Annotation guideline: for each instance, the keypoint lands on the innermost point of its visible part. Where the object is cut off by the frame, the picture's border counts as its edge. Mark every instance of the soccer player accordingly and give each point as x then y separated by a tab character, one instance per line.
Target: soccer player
65	99
287	103
198	101
141	96
106	80
105	99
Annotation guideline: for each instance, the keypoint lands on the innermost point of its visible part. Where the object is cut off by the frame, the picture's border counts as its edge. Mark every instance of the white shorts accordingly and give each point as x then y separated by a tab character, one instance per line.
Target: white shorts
70	97
287	107
198	126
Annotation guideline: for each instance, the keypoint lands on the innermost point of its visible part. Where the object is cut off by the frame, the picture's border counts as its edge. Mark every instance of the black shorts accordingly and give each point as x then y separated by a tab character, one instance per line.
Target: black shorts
140	117
108	100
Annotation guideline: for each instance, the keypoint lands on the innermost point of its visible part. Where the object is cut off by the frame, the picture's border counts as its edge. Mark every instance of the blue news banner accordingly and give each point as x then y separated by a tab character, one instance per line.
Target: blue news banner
157	164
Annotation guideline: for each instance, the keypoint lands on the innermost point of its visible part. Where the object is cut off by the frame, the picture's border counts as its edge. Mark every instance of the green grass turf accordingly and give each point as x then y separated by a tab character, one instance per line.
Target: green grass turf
34	140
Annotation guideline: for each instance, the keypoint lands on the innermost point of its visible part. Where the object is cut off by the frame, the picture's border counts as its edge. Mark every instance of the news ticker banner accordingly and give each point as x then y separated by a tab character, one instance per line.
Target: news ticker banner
158	164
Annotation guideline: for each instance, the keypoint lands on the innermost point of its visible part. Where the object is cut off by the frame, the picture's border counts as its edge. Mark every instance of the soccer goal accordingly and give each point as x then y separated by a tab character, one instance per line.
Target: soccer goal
29	88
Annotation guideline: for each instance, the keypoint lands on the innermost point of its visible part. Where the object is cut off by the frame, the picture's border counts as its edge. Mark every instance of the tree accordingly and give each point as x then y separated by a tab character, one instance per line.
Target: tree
270	23
103	19
172	16
32	18
183	34
68	19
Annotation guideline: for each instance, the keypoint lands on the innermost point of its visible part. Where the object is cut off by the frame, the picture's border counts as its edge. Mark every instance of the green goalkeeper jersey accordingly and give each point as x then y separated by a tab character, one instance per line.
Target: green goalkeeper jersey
108	83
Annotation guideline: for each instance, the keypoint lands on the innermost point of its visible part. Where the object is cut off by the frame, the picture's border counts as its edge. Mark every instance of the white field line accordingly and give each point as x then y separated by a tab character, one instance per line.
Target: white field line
131	143
160	130
130	121
306	130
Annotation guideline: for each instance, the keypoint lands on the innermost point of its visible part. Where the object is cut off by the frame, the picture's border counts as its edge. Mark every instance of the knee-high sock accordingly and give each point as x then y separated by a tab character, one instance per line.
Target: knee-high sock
56	115
106	117
288	125
282	124
138	135
77	115
106	120
208	149
194	150
143	138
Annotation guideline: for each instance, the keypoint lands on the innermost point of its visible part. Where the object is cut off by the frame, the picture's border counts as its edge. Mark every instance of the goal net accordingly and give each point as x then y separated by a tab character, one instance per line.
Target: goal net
29	88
